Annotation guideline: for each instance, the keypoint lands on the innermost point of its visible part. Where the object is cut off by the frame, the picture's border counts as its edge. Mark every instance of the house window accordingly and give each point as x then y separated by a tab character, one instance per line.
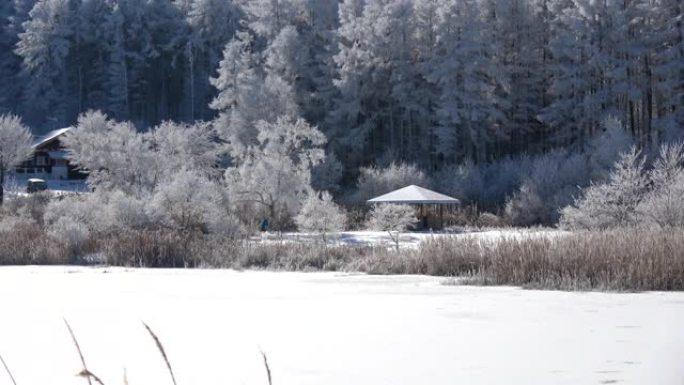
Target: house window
41	161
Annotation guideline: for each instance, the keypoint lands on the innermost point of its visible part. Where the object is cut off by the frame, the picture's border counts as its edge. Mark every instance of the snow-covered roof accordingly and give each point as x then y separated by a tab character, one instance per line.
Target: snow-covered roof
50	136
415	195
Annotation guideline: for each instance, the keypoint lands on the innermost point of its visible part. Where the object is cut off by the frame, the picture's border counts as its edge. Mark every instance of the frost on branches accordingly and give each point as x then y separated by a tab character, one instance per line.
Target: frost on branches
392	218
319	214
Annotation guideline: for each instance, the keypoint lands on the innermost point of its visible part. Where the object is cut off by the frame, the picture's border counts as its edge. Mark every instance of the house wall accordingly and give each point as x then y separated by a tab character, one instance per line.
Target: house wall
41	165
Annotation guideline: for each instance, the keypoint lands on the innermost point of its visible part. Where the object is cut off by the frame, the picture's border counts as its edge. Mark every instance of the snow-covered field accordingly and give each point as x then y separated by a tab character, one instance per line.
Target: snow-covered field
408	239
325	328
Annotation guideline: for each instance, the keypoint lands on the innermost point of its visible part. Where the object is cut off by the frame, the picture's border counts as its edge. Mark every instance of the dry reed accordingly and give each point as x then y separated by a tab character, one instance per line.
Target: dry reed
7	369
160	347
268	368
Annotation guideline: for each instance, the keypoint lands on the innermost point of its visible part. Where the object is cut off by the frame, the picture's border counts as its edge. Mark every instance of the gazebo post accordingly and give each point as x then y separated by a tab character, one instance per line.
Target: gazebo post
441	217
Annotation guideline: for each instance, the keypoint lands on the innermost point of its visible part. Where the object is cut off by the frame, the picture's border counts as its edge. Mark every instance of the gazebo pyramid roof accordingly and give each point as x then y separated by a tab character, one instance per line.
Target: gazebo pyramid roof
415	195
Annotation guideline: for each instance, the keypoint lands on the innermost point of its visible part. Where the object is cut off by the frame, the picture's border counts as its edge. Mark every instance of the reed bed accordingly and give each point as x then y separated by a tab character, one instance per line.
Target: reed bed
625	259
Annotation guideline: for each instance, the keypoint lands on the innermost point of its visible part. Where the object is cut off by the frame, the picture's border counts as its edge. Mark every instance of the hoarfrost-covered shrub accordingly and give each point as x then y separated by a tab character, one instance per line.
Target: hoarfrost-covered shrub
69	231
375	181
613	203
664	204
191	202
128	212
553	180
9	223
321	215
525	208
86	209
32	205
489	220
392	218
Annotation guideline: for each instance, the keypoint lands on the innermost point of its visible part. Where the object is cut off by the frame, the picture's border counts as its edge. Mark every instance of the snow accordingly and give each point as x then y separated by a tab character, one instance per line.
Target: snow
327	328
408	239
415	195
50	136
16	185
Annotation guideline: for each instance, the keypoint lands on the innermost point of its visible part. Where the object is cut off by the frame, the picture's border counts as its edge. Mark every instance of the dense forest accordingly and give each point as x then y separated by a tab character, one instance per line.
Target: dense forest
433	83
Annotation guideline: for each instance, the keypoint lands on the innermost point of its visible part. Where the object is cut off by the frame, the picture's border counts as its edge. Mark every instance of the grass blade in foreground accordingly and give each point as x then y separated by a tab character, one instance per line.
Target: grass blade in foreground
7	370
161	350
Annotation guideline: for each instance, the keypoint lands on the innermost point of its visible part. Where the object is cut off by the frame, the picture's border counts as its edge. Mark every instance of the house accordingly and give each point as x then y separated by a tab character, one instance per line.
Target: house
49	160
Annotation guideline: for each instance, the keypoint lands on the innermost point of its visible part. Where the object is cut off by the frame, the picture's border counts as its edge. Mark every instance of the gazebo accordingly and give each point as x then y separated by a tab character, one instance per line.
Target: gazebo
421	197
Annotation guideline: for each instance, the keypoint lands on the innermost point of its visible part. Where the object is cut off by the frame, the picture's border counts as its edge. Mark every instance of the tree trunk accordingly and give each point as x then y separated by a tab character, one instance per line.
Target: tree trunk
2	185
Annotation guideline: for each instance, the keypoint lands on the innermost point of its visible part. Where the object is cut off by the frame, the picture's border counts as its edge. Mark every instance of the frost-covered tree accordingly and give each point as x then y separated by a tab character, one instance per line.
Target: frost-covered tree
275	176
44	47
470	107
614	203
177	146
191	202
15	146
664	204
375	181
113	154
213	24
319	214
392	218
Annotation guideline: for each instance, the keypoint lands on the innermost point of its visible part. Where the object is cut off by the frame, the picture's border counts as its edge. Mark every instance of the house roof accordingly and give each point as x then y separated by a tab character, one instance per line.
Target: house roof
50	136
415	195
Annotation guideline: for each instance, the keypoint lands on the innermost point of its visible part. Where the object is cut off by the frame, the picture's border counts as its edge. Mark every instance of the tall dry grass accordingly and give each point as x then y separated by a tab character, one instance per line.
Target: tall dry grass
626	259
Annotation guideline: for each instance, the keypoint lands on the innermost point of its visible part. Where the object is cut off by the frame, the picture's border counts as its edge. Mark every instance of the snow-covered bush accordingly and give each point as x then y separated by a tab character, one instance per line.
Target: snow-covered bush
191	202
321	215
613	203
88	210
31	205
526	208
553	180
392	218
127	211
375	181
664	204
9	223
71	232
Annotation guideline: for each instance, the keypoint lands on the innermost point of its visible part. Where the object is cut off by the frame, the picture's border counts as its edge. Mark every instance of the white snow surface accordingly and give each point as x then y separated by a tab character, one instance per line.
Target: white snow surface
327	328
408	239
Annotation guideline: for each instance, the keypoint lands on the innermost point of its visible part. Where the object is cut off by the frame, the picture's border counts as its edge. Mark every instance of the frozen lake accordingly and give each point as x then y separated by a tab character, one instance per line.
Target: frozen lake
329	329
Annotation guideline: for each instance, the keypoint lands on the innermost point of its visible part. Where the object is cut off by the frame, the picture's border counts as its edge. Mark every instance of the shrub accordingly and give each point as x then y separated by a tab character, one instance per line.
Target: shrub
321	215
392	218
71	233
664	204
489	220
191	202
614	203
